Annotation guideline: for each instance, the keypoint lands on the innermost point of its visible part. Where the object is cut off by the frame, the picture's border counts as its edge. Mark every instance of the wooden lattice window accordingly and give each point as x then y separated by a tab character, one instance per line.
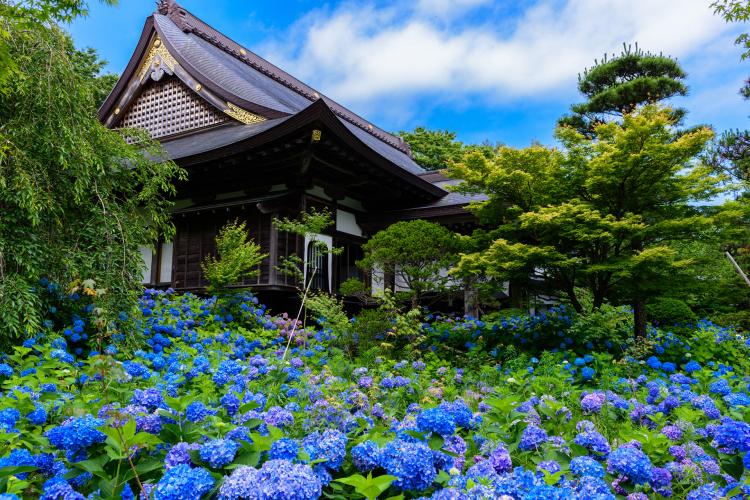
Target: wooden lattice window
169	107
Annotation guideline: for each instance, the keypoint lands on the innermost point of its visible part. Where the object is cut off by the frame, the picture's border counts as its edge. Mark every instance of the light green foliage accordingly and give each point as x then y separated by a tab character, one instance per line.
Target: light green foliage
16	15
369	487
238	258
77	199
735	11
598	214
328	311
354	287
416	251
433	149
617	85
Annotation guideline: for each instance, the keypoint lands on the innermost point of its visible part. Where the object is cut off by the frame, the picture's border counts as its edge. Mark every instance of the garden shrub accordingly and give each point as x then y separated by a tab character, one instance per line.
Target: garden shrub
238	258
667	311
602	329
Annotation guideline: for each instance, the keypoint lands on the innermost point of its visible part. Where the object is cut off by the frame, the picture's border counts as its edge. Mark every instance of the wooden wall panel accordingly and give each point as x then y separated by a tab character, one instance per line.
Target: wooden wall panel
196	239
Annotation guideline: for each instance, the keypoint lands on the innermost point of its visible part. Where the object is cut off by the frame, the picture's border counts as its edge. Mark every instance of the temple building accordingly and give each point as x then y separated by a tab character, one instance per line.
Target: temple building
259	144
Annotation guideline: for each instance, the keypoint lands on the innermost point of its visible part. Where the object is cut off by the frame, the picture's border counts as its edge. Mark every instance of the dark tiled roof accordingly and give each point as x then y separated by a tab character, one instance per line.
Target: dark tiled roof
216	138
184	21
228	73
384	150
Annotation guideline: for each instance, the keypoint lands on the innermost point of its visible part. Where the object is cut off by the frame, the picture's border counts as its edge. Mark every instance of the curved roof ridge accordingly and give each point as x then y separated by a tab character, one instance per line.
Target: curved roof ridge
189	23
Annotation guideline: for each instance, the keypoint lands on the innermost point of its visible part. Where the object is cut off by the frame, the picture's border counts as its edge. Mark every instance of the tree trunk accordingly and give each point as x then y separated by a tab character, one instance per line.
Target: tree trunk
639	318
574	301
515	292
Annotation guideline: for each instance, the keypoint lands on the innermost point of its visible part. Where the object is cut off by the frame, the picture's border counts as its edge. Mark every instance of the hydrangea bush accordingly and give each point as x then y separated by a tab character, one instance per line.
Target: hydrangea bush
213	407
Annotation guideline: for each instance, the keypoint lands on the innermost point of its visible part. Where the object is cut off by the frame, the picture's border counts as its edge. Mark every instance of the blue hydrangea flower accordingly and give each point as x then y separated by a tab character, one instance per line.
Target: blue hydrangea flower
366	456
181	482
460	411
8	419
592	403
219	452
279	417
436	420
661	481
330	445
411	463
38	416
733	435
591	439
631	462
284	449
58	488
500	460
76	433
197	412
692	366
587	373
151	398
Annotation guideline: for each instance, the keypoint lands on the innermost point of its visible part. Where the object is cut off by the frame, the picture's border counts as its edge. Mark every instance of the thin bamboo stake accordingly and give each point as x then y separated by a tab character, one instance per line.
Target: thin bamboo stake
738	268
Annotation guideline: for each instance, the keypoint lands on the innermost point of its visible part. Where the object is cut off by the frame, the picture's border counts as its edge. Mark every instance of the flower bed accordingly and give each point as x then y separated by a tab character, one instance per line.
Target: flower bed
214	408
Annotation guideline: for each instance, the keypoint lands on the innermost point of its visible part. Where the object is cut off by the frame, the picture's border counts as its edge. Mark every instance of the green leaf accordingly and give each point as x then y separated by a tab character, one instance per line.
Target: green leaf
436	442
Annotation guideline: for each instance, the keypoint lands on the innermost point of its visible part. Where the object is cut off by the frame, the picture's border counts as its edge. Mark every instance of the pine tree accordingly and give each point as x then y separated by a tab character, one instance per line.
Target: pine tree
617	85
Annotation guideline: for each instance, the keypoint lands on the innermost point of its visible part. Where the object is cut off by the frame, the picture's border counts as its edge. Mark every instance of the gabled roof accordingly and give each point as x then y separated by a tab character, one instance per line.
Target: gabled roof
232	73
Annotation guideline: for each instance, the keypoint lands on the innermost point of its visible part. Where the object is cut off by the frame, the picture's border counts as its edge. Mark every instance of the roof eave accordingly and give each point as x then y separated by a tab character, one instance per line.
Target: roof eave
317	111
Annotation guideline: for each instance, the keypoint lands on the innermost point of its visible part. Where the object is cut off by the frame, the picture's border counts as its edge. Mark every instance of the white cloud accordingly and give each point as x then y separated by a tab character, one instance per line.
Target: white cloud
359	54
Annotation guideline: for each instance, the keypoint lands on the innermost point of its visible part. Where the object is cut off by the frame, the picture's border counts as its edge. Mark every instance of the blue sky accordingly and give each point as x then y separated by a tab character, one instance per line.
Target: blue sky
501	71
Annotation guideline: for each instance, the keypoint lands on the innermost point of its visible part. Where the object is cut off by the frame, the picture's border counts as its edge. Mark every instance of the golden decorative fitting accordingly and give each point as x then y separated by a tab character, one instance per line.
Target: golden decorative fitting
199	87
156	56
243	52
117	111
316	135
317	96
242	115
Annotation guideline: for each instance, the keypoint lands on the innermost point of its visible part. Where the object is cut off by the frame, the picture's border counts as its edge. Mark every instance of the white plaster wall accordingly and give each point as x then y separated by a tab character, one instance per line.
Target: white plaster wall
346	222
146	256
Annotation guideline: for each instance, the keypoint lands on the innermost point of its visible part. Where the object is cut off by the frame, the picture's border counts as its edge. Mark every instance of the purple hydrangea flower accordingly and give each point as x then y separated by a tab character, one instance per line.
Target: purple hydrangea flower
179	454
592	403
532	438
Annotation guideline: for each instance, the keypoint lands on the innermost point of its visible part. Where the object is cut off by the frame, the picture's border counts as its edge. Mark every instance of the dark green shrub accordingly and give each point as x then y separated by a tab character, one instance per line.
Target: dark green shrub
667	311
605	328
